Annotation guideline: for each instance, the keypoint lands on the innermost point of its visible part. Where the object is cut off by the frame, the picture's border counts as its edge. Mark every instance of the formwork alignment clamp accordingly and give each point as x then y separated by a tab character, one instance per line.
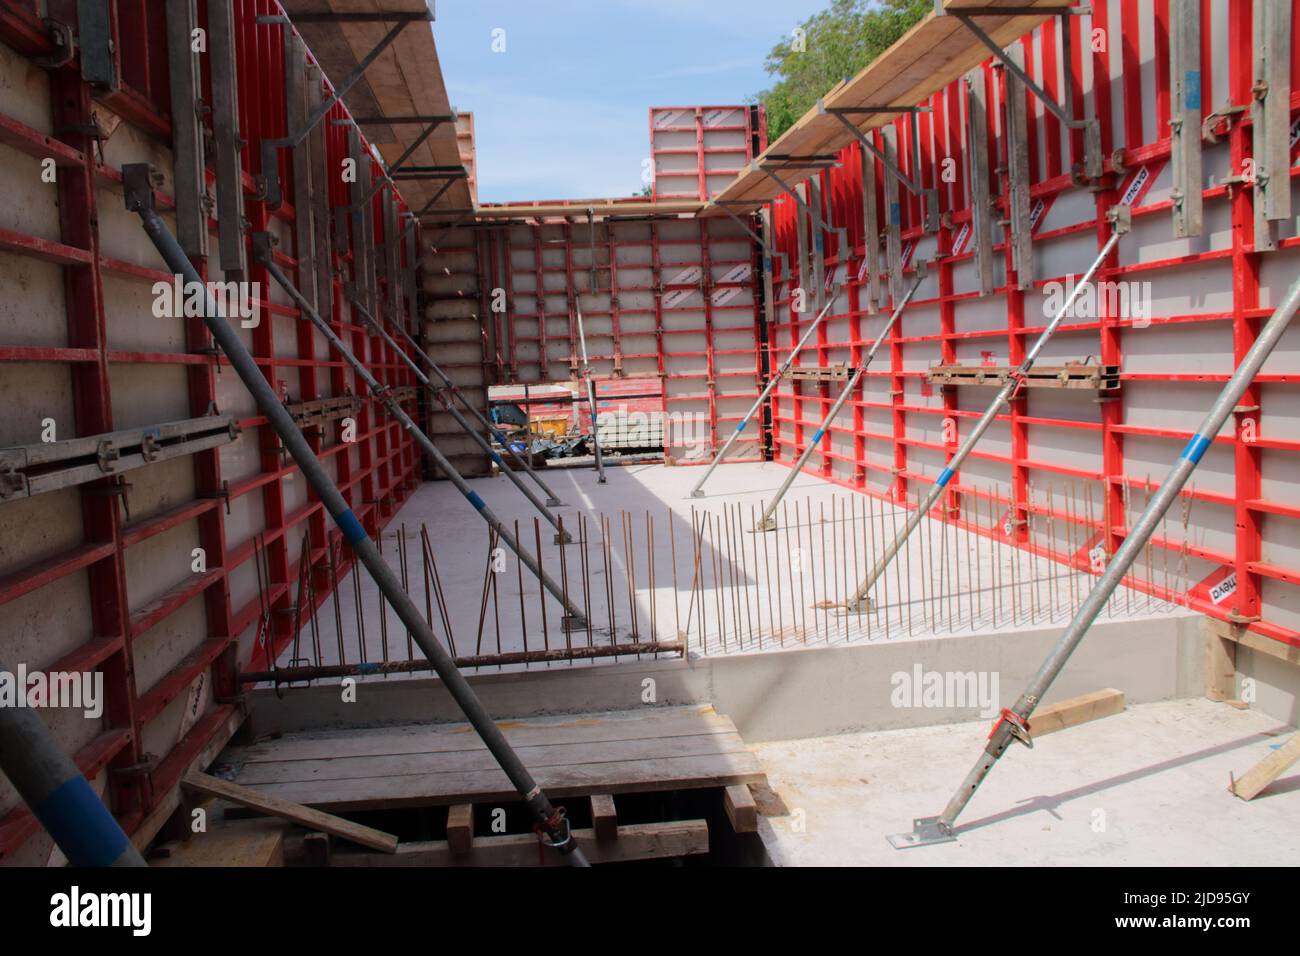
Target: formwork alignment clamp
139	180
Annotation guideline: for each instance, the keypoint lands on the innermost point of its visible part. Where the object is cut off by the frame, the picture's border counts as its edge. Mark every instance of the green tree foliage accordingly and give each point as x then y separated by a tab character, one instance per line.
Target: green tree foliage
837	42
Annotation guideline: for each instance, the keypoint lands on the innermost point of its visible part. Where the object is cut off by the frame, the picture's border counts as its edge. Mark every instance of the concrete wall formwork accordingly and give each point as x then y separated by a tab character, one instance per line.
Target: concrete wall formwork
1195	300
105	574
670	301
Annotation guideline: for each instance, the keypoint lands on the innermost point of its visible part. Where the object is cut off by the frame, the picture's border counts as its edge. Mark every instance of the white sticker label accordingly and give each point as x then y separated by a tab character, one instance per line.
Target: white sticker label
1224	589
1135	187
1097	559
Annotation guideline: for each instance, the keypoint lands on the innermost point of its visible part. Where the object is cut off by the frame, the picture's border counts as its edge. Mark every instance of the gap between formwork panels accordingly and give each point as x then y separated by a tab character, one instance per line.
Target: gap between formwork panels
658	573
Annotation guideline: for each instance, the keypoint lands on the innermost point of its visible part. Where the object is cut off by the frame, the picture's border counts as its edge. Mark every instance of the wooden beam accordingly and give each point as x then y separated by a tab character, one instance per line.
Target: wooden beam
741	809
1249	785
460	828
1220	667
1256	642
315	819
256	843
642	841
1076	710
604	818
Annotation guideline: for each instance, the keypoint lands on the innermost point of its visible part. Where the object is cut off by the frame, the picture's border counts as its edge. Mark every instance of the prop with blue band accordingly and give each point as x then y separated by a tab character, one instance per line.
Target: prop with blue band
262	251
59	795
561	536
768	521
1014	722
139	180
698	490
860	599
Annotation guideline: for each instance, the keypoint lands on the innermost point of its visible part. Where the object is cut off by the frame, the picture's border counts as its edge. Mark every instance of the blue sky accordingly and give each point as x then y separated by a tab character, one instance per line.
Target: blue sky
563	112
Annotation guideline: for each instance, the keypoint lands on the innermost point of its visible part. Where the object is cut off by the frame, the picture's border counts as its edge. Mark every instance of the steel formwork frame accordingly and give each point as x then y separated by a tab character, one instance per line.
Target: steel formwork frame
141	792
520	258
1129	108
697	122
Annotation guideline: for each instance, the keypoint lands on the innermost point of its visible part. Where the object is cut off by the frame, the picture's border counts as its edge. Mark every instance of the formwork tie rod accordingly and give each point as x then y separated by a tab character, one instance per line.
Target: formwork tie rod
561	536
58	794
591	396
859	600
1014	722
698	490
262	252
552	499
138	179
768	521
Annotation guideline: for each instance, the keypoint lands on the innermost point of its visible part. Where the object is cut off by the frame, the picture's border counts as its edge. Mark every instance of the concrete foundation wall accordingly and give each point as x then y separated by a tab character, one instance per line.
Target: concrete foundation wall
784	694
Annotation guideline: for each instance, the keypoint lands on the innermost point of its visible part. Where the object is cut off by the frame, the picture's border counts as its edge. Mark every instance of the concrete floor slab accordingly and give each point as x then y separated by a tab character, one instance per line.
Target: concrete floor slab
1147	787
720	587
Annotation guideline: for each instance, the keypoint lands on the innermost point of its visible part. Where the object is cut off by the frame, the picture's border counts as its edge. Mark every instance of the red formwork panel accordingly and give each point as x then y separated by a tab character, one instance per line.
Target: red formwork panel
1205	300
375	472
695	151
669	305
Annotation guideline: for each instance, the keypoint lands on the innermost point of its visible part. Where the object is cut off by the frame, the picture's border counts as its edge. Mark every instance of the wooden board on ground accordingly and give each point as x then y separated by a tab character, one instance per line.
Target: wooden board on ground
662	748
1253	782
644	841
366	836
235	843
741	809
1076	710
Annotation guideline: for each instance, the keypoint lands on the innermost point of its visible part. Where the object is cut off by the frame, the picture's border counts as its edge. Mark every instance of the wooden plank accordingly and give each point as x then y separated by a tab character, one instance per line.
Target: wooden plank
741	809
1220	667
1250	784
1256	642
644	841
257	842
460	828
446	738
484	786
346	829
604	818
1076	710
466	761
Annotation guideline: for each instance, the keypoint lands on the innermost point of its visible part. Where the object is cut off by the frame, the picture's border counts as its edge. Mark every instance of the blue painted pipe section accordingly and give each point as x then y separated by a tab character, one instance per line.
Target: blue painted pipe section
81	825
476	501
1196	448
945	476
741	427
350	526
817	436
